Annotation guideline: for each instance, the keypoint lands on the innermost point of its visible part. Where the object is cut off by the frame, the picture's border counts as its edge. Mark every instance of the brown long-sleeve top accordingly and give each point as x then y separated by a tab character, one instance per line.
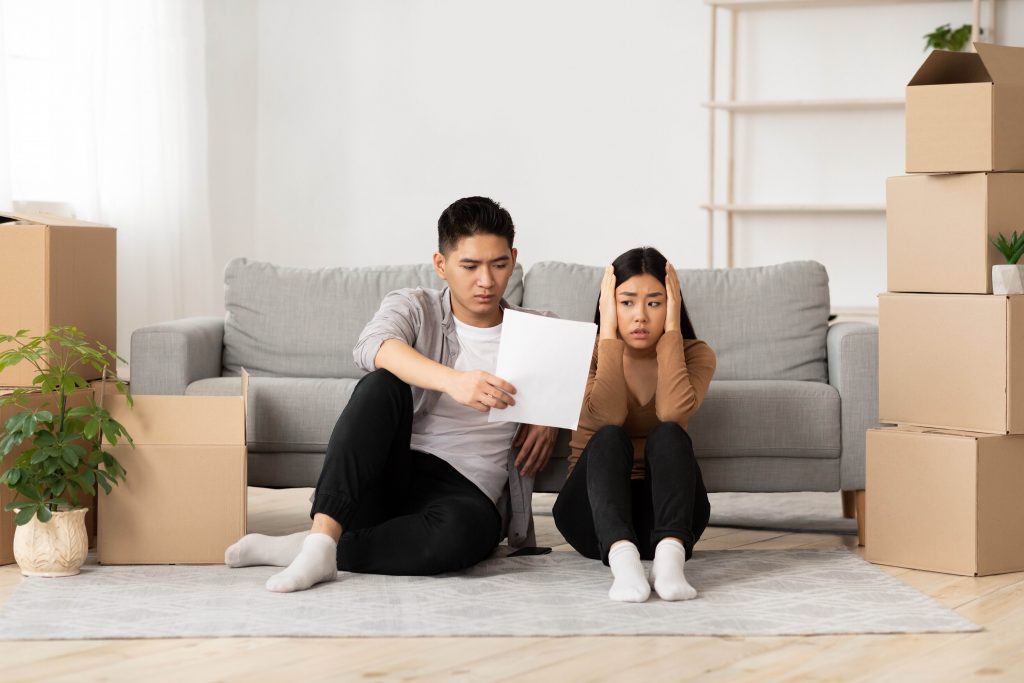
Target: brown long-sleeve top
685	368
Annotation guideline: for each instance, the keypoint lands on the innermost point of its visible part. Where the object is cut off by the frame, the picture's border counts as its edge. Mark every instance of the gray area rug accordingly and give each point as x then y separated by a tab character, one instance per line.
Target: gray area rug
742	593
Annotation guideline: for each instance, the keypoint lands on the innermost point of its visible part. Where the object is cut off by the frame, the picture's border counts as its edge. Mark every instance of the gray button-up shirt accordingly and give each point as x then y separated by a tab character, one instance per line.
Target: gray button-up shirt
423	319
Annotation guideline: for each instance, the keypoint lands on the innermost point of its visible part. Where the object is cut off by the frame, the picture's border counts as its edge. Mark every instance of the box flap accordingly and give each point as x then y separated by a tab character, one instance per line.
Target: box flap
44	218
181	420
942	67
1004	64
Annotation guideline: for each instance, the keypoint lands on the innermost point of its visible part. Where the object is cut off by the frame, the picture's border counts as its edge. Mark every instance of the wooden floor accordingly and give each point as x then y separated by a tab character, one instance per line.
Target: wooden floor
997	653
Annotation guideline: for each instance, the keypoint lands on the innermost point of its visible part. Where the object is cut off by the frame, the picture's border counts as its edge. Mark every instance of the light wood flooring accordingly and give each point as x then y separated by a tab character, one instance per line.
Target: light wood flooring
996	654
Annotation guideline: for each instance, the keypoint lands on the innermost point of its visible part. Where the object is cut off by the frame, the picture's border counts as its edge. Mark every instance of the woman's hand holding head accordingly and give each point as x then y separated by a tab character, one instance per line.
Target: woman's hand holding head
606	306
674	294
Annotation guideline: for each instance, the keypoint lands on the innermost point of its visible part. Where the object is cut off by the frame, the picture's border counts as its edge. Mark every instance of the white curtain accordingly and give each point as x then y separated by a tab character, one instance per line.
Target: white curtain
103	117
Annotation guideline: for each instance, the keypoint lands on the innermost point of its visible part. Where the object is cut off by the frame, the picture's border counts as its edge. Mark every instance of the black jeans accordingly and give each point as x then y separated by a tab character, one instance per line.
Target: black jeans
402	512
599	504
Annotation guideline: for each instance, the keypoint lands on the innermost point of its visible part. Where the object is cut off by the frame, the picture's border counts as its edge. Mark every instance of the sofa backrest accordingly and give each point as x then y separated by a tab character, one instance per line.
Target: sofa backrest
768	322
304	322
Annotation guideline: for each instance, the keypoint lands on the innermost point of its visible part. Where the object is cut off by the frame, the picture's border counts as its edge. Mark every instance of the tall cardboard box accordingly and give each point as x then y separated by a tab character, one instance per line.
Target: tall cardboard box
56	271
184	497
952	361
940	227
35	400
945	501
964	111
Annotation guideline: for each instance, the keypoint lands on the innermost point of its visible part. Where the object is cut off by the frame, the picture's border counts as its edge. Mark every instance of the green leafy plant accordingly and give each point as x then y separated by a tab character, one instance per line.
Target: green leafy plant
945	37
1012	248
65	457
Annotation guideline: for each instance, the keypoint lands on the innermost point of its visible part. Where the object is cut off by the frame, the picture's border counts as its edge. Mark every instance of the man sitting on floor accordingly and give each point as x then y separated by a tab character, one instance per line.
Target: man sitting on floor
416	480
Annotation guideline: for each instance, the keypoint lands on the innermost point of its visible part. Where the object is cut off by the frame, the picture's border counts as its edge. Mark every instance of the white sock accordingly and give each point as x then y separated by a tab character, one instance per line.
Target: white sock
256	549
667	571
316	562
630	584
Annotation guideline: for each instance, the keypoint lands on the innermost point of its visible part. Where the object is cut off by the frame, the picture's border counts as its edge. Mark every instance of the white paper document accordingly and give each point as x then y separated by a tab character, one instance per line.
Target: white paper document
547	360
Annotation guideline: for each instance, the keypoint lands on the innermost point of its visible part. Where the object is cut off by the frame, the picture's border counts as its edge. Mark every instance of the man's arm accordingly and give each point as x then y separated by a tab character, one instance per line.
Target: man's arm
477	389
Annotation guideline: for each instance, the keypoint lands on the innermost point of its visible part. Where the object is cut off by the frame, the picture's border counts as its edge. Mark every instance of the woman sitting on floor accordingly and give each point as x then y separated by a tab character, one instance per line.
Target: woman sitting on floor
635	489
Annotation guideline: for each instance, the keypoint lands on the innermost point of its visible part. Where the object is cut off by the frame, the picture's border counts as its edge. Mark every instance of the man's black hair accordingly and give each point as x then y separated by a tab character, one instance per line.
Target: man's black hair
473	216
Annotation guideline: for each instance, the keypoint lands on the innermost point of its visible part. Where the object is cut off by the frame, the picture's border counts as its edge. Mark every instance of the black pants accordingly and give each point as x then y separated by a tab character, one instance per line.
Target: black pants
402	512
599	504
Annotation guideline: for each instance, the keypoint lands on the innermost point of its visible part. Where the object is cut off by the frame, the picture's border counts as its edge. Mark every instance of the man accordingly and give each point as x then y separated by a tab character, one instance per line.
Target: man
416	480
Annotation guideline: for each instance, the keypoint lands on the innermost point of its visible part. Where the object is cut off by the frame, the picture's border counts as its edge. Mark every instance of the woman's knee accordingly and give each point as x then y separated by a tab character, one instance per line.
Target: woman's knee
610	442
671	435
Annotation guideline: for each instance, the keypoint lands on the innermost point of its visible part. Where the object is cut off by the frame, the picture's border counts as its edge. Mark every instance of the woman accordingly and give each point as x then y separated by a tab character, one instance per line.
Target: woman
635	489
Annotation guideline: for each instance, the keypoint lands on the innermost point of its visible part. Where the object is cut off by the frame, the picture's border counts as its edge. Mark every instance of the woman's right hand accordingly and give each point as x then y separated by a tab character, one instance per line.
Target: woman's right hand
609	319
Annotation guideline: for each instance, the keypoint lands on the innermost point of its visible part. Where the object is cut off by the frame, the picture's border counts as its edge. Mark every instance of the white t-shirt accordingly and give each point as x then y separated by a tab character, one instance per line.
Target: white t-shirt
461	436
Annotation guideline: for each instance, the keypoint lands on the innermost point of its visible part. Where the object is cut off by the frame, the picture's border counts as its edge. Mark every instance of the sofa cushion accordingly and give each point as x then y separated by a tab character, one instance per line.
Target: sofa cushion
284	413
768	322
304	322
767	418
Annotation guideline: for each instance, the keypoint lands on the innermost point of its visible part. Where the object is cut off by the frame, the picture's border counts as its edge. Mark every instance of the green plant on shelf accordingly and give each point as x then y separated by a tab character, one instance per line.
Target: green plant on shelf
65	457
946	37
1012	248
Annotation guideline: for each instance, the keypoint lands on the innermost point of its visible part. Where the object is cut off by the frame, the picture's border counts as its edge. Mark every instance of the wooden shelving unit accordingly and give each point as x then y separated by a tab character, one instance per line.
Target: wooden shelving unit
730	107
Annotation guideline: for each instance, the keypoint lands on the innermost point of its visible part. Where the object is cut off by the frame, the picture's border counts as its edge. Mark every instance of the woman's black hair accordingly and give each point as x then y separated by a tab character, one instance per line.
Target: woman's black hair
651	261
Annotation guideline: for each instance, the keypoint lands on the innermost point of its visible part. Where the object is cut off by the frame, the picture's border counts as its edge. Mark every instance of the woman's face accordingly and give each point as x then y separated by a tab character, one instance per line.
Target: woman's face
640	308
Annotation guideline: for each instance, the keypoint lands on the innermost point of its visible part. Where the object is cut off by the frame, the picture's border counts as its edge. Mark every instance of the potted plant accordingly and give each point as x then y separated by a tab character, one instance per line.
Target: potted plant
58	452
1009	278
946	37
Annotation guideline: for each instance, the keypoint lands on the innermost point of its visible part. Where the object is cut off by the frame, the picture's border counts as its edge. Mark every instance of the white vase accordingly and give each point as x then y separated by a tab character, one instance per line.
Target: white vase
1008	279
54	548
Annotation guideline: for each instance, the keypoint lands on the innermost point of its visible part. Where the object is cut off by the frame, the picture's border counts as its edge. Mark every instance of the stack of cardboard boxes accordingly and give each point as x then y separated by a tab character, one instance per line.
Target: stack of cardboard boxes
184	498
943	485
53	271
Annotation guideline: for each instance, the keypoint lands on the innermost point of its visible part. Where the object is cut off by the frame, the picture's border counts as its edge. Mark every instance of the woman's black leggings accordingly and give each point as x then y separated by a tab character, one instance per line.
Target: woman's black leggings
599	503
402	512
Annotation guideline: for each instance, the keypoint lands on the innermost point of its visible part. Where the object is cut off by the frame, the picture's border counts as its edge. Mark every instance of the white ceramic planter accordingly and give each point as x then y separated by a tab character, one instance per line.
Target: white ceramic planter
56	548
1007	279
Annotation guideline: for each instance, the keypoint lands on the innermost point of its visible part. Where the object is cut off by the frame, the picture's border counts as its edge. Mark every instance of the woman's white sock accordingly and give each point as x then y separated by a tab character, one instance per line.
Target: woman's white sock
256	549
667	571
630	584
316	562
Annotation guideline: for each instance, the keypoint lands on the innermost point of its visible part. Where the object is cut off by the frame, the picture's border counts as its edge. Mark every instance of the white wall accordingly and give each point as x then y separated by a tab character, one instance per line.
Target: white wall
340	130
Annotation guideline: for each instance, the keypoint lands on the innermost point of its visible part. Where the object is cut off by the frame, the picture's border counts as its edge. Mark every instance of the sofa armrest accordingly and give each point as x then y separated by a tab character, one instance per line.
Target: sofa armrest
167	357
853	370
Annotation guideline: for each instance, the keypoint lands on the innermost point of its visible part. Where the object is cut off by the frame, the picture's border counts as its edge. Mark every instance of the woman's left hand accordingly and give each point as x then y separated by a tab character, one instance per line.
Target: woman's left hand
673	298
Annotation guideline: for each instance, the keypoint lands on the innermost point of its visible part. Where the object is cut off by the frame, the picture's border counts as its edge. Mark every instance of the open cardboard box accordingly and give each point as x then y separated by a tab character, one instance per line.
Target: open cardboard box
56	271
945	501
952	361
183	500
940	227
40	401
964	111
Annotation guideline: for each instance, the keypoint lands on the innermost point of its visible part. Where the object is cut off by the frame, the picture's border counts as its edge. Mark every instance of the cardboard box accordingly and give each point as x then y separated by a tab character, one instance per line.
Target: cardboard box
56	271
964	111
945	501
184	497
937	220
952	361
7	525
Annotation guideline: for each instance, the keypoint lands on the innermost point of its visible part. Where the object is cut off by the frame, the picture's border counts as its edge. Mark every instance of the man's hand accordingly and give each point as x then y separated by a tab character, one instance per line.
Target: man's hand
480	390
535	445
672	294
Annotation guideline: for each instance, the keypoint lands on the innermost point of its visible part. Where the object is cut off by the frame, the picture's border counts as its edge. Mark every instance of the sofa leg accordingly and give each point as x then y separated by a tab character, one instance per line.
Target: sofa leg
861	517
849	504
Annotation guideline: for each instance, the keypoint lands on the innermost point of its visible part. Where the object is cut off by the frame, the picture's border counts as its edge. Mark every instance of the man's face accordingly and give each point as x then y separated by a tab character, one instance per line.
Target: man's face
477	271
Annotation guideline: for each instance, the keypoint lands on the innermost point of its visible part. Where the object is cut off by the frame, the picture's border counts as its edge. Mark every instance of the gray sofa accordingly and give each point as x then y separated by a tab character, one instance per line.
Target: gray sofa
786	411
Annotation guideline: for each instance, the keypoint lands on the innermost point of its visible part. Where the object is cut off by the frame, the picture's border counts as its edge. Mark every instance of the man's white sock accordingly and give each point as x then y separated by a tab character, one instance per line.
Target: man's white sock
317	562
256	549
667	571
630	584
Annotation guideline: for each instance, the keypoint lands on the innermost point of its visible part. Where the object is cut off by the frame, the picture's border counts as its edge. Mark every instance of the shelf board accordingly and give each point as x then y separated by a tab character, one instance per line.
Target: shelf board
795	208
803	4
852	104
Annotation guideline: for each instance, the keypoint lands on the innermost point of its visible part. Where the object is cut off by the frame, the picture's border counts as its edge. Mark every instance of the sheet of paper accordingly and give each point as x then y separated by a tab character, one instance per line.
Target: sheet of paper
547	361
